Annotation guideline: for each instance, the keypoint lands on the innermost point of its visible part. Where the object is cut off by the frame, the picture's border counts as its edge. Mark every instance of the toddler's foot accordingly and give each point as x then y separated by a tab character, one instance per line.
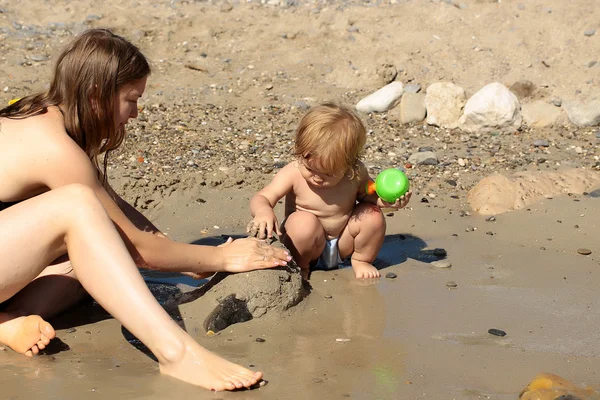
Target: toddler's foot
200	367
364	270
26	335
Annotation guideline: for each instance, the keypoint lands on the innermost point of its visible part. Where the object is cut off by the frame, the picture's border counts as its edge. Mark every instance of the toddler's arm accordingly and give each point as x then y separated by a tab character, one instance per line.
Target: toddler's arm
263	202
363	196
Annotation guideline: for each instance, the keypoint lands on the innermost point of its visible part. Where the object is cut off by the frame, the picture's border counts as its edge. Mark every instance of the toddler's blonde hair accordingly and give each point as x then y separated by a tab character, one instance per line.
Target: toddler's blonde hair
330	139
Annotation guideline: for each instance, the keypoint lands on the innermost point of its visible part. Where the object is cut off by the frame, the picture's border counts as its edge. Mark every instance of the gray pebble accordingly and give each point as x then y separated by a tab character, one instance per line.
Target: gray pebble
598	134
594	194
38	57
391	275
584	252
93	17
557	102
497	332
492	218
412	88
260	340
301	105
541	143
71	330
589	32
451	285
328	296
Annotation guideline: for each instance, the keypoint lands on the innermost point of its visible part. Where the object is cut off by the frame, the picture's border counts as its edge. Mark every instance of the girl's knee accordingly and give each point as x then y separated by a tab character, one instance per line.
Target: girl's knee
77	191
79	204
76	196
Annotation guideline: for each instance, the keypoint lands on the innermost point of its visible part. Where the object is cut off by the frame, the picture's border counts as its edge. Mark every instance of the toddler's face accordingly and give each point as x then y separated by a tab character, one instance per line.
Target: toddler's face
316	178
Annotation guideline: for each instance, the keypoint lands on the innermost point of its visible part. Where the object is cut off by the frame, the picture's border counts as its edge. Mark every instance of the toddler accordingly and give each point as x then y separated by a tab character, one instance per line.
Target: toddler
328	214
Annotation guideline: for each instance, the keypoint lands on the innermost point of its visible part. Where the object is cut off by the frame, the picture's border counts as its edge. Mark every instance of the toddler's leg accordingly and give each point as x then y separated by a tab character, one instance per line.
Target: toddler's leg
363	238
304	237
72	218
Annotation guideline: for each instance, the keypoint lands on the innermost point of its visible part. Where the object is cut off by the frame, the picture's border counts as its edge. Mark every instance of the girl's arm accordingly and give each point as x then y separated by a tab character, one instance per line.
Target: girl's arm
64	163
135	216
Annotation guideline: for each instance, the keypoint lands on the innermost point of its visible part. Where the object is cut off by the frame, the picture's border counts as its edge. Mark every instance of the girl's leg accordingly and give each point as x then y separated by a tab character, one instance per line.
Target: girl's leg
363	238
55	290
73	218
304	237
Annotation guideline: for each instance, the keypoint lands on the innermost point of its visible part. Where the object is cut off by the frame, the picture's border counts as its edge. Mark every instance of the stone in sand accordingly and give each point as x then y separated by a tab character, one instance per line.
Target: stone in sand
441	264
552	387
383	99
492	108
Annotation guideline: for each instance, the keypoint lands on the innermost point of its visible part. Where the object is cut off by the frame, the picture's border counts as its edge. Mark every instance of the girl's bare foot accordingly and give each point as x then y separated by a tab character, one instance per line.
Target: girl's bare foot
200	367
26	335
364	270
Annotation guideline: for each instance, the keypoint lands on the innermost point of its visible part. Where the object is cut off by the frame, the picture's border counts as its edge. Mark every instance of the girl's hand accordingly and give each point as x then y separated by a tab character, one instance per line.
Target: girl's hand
398	204
249	254
263	225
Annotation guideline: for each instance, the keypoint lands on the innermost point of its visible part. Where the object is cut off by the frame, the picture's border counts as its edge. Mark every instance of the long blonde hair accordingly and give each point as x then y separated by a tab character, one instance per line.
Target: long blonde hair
87	77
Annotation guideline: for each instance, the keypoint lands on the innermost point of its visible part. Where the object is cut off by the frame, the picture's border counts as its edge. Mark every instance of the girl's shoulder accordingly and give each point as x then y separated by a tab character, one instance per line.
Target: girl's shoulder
46	134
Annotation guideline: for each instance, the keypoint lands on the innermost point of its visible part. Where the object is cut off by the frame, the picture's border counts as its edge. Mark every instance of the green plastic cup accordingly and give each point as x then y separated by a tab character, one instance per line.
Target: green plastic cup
391	184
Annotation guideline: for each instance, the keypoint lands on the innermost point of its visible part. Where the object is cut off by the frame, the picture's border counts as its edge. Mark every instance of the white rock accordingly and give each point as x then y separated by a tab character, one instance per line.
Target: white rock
461	162
444	102
383	99
493	108
539	114
584	114
441	264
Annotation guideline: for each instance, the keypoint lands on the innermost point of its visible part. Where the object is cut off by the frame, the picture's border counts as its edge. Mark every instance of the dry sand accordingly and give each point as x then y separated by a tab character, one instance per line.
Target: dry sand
255	67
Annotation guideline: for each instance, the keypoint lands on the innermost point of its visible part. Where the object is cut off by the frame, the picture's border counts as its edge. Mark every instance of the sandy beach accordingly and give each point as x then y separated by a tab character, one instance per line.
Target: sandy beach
230	82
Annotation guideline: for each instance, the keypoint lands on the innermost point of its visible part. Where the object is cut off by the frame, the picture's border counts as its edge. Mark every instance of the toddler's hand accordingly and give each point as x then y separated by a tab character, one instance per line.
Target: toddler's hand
263	225
398	204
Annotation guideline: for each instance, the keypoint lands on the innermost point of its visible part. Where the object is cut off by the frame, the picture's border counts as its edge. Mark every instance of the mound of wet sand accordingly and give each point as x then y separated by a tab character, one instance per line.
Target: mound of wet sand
233	298
498	194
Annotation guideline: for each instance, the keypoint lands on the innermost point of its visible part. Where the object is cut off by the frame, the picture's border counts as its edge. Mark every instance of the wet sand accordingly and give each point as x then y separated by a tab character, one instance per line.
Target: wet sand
409	337
230	81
